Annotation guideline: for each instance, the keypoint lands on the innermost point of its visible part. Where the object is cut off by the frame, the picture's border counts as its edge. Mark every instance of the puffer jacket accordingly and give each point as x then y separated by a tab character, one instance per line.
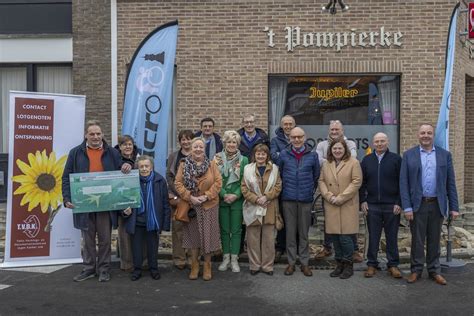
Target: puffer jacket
299	178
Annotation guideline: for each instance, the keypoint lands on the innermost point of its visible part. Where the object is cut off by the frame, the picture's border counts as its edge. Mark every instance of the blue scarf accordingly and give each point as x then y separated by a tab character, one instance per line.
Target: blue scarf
151	220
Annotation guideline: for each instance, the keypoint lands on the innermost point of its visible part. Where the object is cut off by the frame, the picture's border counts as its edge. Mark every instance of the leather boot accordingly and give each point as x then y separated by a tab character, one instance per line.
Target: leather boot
206	272
337	272
193	275
348	270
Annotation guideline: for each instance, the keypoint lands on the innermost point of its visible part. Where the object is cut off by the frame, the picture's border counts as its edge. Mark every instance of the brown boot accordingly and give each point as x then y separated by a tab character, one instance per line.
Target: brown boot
206	272
193	275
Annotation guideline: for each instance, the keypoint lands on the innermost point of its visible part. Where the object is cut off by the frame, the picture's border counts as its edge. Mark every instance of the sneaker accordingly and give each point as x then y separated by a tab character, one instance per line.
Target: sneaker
104	276
84	275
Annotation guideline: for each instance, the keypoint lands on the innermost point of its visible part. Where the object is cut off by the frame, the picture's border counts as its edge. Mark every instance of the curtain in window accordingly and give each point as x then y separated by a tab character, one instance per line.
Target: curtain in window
54	79
388	87
278	88
11	78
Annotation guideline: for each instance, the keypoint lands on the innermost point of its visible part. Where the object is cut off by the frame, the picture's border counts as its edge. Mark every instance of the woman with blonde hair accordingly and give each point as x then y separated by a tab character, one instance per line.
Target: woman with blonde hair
231	165
261	187
198	182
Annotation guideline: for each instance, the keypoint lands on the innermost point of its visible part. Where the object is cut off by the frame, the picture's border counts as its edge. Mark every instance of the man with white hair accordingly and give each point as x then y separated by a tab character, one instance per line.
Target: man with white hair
379	196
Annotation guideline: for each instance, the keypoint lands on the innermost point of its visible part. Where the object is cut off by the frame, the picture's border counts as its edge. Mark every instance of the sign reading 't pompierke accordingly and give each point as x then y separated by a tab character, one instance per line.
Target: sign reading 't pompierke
295	38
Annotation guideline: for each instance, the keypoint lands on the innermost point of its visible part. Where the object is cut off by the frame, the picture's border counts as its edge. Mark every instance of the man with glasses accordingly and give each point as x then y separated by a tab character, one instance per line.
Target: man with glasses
250	135
336	131
299	169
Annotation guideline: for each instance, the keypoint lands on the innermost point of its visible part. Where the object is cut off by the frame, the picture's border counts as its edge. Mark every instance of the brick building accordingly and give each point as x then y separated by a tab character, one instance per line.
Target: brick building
383	70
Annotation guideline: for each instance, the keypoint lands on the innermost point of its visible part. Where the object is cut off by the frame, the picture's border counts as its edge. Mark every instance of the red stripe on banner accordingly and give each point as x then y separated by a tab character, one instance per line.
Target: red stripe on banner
33	133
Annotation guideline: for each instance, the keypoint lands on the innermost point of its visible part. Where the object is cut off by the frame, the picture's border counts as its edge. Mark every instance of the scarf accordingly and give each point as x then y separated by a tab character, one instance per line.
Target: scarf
210	146
192	172
149	208
229	166
253	211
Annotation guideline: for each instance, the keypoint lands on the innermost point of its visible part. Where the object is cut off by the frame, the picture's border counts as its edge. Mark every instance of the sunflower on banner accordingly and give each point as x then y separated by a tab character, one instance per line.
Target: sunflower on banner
41	183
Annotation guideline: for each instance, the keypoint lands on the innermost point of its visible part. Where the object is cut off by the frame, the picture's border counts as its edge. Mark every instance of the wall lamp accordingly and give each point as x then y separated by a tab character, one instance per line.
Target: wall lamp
331	6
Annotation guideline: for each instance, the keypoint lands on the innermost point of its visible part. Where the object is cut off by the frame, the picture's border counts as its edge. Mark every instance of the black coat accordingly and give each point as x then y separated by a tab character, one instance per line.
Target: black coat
262	138
380	183
162	207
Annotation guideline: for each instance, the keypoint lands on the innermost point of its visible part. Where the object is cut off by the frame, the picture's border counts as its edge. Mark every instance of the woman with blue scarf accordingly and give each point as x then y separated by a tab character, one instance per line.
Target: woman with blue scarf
145	223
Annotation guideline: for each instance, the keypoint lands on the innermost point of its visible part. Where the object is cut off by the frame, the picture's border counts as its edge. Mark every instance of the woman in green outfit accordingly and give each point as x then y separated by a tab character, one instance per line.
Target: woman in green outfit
231	164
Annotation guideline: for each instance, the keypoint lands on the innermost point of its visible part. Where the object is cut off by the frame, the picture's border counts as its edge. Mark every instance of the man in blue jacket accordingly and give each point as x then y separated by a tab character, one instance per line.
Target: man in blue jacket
279	143
282	138
299	169
250	135
93	155
429	195
380	202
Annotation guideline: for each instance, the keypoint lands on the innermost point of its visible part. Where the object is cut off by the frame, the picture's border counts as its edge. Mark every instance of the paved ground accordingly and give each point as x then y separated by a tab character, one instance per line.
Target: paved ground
50	290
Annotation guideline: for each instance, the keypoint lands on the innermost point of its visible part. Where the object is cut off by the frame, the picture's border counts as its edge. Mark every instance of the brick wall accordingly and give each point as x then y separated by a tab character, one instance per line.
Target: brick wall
223	60
91	58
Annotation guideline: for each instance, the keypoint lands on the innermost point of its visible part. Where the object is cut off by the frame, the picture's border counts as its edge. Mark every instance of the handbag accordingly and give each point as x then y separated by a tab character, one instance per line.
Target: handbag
182	209
279	223
173	200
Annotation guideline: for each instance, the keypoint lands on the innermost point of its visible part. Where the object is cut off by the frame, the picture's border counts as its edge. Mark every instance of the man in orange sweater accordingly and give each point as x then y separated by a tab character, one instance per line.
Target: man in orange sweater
93	155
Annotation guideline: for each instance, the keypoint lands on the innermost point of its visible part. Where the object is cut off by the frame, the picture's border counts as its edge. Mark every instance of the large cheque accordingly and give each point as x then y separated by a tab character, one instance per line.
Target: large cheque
104	191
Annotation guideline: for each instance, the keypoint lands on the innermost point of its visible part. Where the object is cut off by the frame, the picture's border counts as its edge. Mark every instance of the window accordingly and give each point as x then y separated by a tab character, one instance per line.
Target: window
365	104
53	78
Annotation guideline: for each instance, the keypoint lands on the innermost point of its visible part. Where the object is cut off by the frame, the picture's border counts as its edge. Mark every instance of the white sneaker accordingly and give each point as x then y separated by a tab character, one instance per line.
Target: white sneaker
234	263
225	263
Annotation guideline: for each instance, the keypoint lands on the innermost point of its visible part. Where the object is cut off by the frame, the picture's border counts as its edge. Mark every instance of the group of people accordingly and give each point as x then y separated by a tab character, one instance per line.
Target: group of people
244	191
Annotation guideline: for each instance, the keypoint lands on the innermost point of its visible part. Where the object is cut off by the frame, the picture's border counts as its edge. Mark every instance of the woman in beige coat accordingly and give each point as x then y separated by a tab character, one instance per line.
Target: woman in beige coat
339	182
261	187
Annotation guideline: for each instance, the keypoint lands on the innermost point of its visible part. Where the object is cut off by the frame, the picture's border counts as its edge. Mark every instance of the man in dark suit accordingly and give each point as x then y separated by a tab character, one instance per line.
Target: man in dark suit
427	188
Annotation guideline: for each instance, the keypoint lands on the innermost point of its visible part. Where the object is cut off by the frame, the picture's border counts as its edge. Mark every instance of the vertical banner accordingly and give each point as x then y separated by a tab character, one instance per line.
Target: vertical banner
470	20
442	127
148	94
43	128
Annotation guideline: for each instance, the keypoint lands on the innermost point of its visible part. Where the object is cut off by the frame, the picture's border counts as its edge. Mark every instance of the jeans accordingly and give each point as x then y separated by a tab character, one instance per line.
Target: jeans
343	247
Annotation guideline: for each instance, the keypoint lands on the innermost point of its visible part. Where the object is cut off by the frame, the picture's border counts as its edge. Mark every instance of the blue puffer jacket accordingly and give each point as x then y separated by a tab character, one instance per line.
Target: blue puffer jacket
299	178
162	207
278	144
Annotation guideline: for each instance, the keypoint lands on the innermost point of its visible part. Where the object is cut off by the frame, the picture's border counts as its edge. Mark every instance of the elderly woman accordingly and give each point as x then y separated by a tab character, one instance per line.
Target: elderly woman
198	182
261	186
145	223
128	152
231	165
339	182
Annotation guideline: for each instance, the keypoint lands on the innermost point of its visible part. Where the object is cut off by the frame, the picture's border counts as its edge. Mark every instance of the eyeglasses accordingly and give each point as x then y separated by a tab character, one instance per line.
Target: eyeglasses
249	122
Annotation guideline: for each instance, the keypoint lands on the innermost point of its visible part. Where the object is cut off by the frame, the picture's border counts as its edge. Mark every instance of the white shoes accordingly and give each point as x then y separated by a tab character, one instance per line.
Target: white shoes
234	263
225	263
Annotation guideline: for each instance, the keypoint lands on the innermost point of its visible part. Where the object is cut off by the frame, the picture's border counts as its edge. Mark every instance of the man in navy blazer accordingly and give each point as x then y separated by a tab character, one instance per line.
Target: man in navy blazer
428	195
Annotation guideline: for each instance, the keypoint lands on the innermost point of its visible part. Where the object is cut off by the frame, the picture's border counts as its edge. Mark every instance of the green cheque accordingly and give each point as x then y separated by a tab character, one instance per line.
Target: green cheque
104	191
